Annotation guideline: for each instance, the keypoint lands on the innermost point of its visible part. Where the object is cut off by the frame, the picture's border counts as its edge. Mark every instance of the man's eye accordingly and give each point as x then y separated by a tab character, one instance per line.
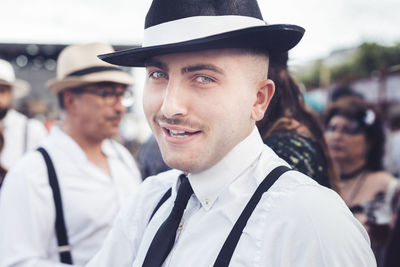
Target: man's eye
204	79
106	93
158	75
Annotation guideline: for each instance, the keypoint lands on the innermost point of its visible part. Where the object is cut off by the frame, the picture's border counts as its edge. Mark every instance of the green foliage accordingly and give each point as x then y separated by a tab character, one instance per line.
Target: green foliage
368	58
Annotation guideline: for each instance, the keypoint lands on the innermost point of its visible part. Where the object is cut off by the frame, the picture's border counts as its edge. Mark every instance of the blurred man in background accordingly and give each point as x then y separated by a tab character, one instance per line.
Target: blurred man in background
20	133
88	174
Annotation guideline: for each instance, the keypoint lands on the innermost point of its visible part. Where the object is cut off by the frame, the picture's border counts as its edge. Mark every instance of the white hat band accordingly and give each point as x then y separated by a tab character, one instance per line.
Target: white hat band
196	27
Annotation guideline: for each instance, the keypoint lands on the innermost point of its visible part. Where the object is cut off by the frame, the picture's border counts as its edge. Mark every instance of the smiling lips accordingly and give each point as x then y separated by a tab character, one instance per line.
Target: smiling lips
179	133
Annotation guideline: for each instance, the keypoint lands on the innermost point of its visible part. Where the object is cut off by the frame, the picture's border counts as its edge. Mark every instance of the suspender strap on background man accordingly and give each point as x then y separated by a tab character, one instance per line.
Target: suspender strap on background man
64	248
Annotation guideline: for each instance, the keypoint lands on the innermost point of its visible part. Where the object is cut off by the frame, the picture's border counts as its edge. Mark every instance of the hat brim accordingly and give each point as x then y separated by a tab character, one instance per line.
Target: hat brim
20	88
121	77
273	38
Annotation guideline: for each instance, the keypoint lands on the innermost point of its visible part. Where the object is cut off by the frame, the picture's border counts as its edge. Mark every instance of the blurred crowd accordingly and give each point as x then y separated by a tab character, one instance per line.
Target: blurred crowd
351	147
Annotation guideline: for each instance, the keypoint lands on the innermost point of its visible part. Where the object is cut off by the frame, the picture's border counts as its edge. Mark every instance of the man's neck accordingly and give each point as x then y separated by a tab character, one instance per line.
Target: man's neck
92	148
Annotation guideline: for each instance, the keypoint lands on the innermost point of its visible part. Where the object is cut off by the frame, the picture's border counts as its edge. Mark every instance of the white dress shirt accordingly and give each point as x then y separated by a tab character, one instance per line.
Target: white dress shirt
297	222
91	201
15	127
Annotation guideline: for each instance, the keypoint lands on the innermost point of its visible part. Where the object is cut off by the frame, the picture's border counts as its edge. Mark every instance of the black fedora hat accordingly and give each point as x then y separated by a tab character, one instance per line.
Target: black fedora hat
176	26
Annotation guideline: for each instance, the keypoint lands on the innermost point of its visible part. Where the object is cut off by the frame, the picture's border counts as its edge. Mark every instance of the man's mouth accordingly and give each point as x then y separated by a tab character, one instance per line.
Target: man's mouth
179	133
114	118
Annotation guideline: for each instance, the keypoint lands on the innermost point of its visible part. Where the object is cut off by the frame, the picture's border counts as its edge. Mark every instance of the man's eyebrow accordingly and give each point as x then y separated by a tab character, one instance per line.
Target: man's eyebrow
156	63
198	67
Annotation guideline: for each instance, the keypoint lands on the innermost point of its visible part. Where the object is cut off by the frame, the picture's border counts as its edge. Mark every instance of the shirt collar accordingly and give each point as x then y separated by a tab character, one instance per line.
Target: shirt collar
110	149
10	118
73	147
208	184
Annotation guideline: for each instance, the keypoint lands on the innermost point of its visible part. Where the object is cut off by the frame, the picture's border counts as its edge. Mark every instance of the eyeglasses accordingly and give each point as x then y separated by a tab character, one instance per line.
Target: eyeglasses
354	129
109	94
4	89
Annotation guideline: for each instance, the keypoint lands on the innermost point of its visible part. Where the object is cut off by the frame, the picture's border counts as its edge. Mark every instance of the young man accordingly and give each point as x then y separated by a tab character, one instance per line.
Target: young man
94	173
206	87
20	133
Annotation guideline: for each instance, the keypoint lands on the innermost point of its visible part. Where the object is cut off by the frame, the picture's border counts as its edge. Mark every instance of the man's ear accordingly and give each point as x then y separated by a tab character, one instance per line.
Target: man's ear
69	100
265	91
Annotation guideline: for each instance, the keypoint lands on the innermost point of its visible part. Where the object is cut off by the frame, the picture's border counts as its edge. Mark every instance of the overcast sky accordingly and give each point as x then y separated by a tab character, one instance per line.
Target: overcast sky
329	24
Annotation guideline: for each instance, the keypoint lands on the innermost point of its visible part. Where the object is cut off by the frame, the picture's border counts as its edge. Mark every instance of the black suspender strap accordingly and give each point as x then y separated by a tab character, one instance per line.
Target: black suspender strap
225	255
162	200
64	249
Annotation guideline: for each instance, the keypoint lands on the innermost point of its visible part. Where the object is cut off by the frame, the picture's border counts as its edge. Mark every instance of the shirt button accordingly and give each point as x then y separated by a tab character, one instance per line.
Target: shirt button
206	202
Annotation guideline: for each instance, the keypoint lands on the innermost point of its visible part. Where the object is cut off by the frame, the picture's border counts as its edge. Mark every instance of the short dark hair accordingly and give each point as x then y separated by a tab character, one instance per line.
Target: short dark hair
254	51
344	91
369	119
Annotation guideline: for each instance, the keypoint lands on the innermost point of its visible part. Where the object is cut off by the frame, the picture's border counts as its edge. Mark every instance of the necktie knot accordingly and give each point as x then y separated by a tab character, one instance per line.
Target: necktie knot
184	193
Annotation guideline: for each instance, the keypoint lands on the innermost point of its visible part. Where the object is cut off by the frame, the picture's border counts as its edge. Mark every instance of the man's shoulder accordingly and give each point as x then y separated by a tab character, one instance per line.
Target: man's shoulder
163	180
154	187
296	195
304	210
293	179
141	204
15	118
297	185
30	160
29	170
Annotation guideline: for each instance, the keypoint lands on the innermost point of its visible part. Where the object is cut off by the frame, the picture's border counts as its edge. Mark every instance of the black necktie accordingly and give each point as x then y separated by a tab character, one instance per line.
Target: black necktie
164	239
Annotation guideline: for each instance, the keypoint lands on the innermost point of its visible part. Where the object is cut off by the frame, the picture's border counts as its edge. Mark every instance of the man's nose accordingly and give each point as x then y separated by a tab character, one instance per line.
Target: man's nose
118	105
174	101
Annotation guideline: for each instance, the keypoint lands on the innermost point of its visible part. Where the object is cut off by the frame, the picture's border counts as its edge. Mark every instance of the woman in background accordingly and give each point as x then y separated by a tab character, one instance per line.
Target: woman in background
355	136
292	130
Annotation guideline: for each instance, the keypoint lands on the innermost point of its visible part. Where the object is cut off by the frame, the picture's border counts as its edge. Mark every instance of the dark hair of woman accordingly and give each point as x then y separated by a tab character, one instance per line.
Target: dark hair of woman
370	122
287	106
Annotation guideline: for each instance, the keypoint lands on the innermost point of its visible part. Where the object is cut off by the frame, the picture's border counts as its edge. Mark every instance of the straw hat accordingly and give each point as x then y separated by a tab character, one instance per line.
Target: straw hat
78	65
175	26
20	88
